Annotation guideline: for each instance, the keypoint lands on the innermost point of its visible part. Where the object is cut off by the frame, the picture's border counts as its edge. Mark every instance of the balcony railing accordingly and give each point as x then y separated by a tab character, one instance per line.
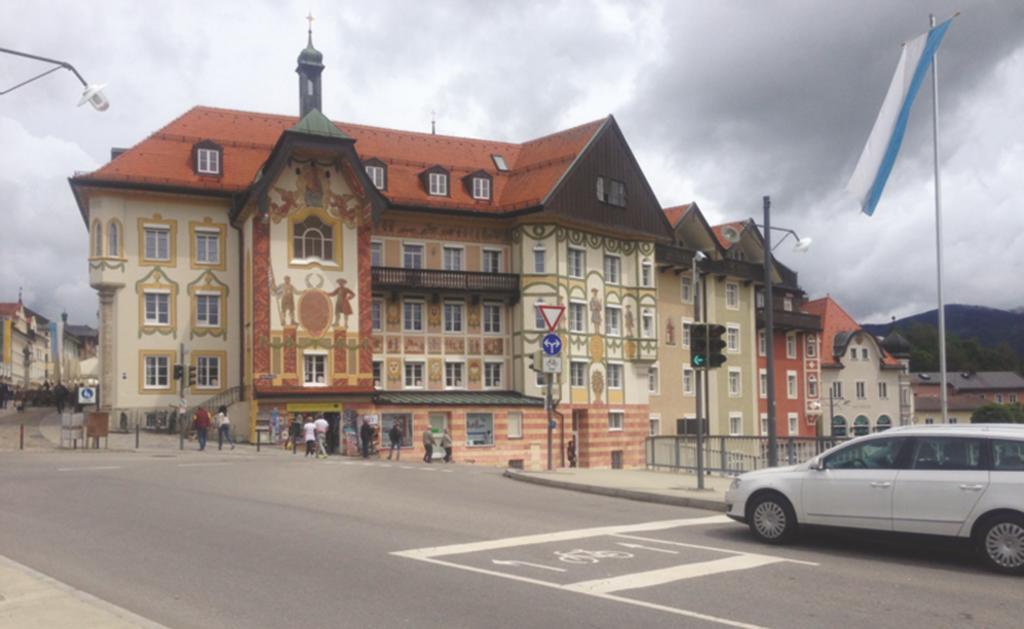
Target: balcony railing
790	320
429	279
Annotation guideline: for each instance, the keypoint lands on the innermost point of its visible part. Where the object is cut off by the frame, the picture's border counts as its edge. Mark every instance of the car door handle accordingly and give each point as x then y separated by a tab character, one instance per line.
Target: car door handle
882	485
972	487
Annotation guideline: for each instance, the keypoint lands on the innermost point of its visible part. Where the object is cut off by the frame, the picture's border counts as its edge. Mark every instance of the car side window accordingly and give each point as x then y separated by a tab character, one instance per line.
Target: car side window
876	454
1007	455
947	453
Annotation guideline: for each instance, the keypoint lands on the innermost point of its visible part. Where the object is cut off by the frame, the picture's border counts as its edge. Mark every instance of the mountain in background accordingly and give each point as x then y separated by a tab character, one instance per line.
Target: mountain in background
977	338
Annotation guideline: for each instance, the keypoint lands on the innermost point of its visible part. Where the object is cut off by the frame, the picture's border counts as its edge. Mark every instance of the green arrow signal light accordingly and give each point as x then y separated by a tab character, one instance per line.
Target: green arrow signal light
698	360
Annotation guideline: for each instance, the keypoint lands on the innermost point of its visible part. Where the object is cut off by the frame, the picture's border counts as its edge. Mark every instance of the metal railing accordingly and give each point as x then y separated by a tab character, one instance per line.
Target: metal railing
731	455
394	277
167	418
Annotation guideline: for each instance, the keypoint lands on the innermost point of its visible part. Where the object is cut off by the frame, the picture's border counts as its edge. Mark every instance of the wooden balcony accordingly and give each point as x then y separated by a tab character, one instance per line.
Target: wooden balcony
430	280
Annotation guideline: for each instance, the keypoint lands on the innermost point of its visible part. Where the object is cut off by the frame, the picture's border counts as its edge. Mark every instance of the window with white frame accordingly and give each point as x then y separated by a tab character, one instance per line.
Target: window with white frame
479	429
376	253
492	318
491	261
611	191
577	316
452	258
157	243
647	323
853	353
763	382
812	347
787	303
577	262
578	373
515	425
688	381
414	374
208	372
481	188
883	391
612	269
377	315
616	419
735	424
312	239
158	309
655	425
764	423
686	289
652	380
794	424
735	383
207	246
837	390
864	353
208	161
412	256
492	375
539	260
861	394
762	345
157	372
412	316
732	296
791	345
759	299
453	375
438	184
377	366
614	375
646	275
613	320
999	398
376	175
113	239
314	369
208	310
1012	398
732	339
812	387
791	385
453	316
687	327
538	319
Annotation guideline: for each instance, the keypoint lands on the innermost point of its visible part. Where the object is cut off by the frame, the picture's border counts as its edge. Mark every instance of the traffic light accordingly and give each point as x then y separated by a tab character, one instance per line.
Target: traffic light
715	345
191	375
698	345
179	372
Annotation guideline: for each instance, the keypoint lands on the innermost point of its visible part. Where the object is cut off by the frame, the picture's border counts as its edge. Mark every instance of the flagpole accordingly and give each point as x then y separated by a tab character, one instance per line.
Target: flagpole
938	229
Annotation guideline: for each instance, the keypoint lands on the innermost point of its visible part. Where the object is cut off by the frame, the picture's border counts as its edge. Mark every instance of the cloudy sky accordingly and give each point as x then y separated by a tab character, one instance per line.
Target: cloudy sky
722	103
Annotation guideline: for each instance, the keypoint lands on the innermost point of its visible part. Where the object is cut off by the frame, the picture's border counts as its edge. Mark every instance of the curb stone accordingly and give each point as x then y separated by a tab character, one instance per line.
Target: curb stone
628	494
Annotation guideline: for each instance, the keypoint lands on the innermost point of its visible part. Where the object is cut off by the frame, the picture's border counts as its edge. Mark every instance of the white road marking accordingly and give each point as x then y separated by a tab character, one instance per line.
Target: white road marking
712	548
512	562
560	536
650	548
203	464
426	469
668	575
447	471
408	467
90	468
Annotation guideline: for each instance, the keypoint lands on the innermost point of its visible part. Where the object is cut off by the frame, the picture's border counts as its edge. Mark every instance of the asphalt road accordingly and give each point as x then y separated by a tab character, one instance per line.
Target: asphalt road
238	540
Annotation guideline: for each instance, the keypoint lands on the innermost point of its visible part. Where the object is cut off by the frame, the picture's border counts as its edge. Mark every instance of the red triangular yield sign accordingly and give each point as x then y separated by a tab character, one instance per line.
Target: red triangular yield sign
552	315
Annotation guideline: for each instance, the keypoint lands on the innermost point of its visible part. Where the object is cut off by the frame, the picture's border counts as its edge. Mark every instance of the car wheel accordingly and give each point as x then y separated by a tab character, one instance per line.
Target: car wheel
772	519
1001	543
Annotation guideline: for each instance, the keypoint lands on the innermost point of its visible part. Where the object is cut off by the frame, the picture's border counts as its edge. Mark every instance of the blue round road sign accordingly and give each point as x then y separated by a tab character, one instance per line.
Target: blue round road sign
551	344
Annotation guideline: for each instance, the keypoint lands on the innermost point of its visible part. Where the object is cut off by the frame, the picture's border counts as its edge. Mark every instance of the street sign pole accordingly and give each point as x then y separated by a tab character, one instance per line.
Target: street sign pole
551	431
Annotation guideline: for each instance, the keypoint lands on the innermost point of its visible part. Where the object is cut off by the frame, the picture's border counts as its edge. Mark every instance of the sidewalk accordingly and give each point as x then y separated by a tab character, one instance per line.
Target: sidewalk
32	599
671	488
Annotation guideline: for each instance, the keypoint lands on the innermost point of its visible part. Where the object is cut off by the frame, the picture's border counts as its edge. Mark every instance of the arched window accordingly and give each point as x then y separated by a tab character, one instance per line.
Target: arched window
884	423
113	239
97	239
861	426
838	426
313	239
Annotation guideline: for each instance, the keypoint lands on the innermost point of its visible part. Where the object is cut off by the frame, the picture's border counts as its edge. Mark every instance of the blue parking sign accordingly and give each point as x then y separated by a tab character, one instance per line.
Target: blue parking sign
551	344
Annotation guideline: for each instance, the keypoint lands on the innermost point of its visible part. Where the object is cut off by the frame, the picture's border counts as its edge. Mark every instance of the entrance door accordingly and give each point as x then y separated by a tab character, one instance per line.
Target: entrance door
579	420
333	431
438	424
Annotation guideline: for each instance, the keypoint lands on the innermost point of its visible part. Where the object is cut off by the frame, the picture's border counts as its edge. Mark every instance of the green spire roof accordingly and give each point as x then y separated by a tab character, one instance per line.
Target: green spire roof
311	56
315	123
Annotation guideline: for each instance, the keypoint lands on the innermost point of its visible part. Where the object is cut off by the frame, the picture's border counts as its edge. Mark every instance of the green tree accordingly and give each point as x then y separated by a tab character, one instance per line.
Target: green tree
998	414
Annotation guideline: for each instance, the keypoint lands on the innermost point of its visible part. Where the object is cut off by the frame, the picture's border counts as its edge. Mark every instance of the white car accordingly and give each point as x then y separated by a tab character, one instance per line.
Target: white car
960	480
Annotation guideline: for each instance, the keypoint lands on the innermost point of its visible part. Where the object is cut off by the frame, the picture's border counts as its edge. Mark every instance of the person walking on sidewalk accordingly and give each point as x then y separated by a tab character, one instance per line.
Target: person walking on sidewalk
395	435
321	437
201	424
309	431
571	451
366	438
428	446
446	443
223	428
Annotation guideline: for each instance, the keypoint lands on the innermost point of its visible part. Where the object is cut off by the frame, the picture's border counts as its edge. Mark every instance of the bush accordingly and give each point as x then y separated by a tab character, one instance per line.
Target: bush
998	414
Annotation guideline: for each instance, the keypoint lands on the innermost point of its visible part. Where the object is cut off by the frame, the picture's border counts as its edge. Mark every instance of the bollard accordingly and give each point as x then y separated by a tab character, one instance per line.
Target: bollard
181	440
136	436
220	438
257	441
294	441
21	438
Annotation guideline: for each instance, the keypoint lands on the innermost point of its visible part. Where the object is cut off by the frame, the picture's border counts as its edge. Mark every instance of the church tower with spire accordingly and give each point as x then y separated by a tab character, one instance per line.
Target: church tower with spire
311	65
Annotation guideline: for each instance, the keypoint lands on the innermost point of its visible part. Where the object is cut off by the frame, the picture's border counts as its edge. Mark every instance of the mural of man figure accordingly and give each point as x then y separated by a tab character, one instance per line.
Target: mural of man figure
595	310
343	302
629	321
286	294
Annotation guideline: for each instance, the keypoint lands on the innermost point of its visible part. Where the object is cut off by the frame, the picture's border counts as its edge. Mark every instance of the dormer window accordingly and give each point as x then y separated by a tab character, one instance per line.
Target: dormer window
208	158
611	191
435	180
377	172
478	185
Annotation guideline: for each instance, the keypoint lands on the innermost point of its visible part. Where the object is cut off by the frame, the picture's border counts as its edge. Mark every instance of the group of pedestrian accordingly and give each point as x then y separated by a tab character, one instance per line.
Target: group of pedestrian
428	445
202	423
314	432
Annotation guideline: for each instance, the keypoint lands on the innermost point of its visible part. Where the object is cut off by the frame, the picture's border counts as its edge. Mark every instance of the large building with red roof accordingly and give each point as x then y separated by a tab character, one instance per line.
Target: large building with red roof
290	266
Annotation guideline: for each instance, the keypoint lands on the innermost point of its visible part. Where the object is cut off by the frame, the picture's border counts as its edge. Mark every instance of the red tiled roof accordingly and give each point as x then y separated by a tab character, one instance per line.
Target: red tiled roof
676	213
8	309
738	226
833	321
165	158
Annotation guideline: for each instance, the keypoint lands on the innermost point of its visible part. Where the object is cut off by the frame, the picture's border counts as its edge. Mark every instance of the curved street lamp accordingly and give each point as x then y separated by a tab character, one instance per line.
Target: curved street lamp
93	93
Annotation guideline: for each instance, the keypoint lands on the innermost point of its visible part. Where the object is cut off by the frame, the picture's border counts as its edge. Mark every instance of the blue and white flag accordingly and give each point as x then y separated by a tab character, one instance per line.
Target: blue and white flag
883	145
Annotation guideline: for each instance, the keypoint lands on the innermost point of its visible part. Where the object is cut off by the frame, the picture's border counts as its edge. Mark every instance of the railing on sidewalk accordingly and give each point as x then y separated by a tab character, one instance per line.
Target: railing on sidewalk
166	418
731	455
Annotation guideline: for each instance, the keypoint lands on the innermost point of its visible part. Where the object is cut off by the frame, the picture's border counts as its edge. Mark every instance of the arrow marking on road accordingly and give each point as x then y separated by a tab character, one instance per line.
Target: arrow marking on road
656	550
512	562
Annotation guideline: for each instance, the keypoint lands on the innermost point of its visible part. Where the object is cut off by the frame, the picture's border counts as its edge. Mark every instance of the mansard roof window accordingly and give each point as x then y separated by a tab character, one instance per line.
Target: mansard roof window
377	171
435	181
208	158
478	185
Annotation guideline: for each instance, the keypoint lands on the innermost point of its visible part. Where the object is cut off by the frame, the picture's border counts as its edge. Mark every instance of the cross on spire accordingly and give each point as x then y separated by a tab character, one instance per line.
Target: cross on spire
310	19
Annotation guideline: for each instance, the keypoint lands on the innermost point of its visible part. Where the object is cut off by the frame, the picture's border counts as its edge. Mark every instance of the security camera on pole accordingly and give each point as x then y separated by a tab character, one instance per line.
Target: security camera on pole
550	363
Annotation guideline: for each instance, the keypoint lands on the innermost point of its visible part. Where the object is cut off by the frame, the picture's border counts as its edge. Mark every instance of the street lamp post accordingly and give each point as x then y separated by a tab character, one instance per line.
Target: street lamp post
93	93
769	321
